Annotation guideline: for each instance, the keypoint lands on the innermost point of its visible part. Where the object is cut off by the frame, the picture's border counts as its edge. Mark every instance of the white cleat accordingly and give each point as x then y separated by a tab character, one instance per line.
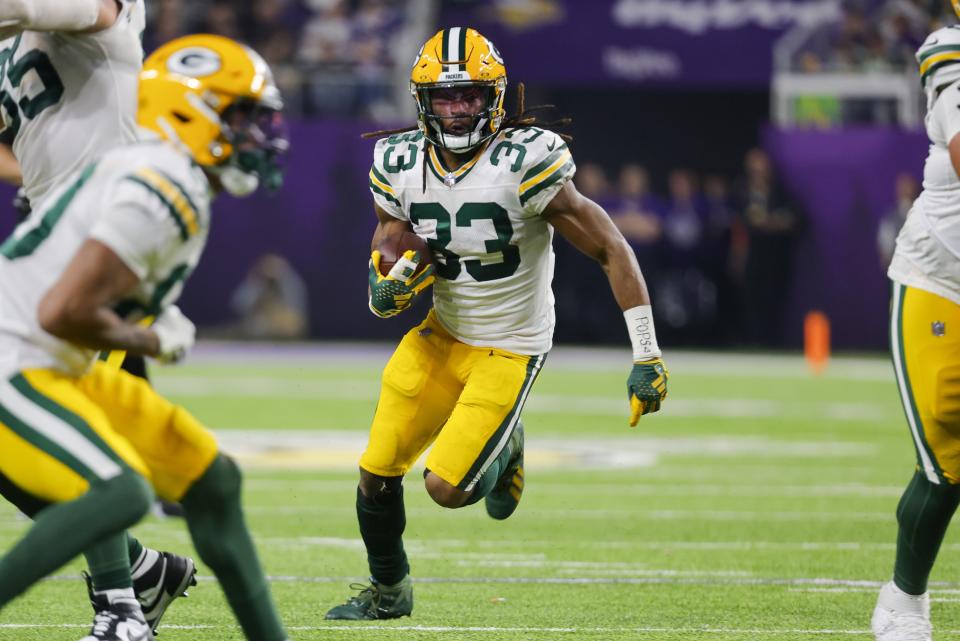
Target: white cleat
119	622
900	616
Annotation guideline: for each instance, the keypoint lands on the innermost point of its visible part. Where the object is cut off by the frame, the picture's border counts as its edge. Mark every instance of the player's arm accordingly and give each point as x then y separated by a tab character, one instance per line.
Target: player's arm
588	228
86	16
9	167
391	293
954	148
78	308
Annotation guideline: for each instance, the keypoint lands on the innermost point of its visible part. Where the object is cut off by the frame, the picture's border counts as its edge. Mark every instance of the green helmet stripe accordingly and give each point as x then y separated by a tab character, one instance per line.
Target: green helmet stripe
463	49
445	49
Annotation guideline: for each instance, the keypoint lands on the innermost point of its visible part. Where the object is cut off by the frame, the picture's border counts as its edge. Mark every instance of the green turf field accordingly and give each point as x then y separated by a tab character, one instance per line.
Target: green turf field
758	505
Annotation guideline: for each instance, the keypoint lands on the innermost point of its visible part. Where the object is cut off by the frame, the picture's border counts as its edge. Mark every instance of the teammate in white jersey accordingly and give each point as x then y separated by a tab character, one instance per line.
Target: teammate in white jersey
925	343
113	244
68	92
68	84
487	194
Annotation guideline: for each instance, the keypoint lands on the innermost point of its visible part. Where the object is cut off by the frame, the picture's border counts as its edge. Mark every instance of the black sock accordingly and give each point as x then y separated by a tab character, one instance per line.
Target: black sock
215	518
382	521
924	513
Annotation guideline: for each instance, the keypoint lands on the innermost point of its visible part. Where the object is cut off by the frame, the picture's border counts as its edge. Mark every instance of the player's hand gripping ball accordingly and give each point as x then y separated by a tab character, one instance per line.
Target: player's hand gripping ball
646	388
400	268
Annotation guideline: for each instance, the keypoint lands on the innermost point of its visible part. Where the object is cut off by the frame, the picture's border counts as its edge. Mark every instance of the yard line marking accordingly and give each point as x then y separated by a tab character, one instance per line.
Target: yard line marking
607	514
382	629
562	358
542	403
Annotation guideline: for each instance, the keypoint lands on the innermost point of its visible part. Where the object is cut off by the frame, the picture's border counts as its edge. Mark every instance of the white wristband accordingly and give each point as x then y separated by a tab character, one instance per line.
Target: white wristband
642	334
49	15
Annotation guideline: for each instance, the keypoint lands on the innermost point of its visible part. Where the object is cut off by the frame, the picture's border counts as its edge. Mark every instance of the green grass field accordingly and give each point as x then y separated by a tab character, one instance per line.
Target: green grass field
758	505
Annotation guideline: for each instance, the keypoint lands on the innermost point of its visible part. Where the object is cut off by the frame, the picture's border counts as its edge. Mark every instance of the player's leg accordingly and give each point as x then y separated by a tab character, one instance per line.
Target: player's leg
417	394
58	453
479	452
186	466
927	363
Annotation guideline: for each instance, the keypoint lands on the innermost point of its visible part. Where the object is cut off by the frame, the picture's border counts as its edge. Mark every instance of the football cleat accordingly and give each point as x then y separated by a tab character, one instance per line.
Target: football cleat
376	601
900	616
157	586
118	622
505	495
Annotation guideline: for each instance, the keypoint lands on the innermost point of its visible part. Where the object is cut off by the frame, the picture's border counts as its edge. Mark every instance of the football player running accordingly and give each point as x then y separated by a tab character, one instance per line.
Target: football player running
487	193
925	344
68	93
112	244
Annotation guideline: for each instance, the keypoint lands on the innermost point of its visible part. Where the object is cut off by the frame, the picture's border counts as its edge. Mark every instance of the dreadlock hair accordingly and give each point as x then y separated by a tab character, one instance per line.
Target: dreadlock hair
522	118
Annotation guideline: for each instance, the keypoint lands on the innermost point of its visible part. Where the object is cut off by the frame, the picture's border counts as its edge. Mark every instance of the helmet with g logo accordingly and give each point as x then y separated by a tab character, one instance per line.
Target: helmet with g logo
217	100
452	58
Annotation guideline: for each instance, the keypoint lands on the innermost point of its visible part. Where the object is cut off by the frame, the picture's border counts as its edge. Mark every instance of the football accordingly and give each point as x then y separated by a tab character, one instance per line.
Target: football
393	247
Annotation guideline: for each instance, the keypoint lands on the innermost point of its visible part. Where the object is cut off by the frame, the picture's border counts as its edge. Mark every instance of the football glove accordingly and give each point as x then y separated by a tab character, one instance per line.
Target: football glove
646	388
393	293
176	334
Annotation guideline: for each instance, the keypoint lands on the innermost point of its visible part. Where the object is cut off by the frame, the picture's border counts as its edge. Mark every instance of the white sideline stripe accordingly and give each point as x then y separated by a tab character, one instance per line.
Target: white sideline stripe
615	515
612	405
721	580
899	367
451	547
52	427
360	629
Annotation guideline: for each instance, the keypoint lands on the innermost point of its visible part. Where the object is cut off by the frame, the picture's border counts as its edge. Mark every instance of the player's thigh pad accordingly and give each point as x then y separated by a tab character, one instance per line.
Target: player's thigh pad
417	393
925	338
175	447
54	440
485	416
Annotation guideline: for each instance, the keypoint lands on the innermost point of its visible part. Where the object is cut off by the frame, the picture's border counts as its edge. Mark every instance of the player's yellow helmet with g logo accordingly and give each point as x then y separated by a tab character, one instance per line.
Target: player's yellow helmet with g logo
459	57
217	100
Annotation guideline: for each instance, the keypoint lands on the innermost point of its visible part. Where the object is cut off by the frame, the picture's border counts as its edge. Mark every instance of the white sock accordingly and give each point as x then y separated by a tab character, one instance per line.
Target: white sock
119	595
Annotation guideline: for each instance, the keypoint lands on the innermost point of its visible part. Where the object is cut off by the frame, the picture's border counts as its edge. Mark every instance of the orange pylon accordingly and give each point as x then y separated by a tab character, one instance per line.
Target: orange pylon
816	340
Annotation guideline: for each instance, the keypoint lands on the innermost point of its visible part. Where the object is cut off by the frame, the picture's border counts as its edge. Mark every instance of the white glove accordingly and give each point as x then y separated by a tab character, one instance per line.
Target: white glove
176	334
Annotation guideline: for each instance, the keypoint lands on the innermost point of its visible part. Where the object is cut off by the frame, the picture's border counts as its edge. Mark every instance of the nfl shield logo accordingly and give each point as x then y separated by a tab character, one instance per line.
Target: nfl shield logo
939	329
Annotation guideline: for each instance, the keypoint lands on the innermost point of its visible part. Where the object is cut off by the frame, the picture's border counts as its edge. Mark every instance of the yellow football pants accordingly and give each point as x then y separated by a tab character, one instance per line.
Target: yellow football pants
59	434
465	400
925	342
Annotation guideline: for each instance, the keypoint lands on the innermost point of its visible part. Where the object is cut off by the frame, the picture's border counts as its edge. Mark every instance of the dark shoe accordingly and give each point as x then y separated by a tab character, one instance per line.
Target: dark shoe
376	601
505	495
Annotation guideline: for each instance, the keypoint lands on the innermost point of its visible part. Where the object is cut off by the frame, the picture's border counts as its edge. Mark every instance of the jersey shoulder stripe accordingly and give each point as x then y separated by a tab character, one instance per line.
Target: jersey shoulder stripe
545	173
380	185
172	194
18	247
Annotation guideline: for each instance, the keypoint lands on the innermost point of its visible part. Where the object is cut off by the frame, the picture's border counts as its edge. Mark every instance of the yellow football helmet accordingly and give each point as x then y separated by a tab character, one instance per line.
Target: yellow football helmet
956	7
459	58
216	99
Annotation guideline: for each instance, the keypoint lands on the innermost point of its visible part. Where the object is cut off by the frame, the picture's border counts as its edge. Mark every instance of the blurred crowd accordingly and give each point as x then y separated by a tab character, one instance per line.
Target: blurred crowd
873	37
331	57
717	255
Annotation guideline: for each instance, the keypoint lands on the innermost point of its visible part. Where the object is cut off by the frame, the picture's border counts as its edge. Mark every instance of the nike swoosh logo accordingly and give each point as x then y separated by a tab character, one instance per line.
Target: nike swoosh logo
551	145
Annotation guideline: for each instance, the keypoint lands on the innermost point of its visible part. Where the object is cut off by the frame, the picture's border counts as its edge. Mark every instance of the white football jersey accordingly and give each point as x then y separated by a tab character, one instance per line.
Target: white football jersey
492	248
928	247
66	98
147	201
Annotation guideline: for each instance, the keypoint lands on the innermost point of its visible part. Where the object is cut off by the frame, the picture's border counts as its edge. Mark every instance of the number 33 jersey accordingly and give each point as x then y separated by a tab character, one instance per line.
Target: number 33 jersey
66	98
491	246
